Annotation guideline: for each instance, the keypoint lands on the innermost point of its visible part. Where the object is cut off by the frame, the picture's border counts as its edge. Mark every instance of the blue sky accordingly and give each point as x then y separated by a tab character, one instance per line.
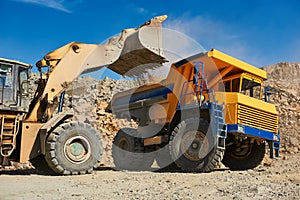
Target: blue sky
260	32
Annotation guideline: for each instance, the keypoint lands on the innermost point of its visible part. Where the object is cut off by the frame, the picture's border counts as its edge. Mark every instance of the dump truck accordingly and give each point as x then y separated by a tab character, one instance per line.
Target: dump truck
211	107
42	131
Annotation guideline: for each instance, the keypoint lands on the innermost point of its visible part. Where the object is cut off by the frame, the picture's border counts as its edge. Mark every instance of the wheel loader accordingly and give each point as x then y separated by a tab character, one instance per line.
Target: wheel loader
211	107
41	131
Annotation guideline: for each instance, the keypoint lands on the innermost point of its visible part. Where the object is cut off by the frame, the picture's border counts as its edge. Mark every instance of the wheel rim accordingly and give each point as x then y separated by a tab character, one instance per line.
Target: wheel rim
194	145
77	149
124	148
241	152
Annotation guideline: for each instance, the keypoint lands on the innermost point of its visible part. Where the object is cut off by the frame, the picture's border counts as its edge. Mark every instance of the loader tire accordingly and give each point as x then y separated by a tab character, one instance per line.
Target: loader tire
237	158
73	148
129	153
41	165
193	147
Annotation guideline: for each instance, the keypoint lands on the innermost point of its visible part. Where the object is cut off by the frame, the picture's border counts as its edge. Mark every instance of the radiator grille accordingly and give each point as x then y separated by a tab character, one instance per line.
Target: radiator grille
257	118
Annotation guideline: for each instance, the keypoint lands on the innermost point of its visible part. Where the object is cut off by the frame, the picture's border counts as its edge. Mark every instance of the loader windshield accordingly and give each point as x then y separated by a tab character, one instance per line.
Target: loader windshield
5	75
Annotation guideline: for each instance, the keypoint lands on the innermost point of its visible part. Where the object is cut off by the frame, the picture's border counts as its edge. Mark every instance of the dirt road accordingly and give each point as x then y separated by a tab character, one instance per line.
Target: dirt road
278	179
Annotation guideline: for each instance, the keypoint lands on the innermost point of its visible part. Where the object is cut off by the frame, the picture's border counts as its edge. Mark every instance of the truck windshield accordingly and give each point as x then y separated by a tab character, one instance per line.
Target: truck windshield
251	88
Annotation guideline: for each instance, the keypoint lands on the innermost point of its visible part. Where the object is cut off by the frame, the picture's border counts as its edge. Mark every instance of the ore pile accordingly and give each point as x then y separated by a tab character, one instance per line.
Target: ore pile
284	80
89	98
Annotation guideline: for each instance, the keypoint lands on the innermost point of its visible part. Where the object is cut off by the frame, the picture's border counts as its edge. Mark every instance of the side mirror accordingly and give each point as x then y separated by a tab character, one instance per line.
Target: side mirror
267	93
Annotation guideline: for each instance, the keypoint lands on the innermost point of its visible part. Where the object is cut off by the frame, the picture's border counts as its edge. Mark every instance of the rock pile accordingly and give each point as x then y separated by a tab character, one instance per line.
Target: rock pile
89	97
284	80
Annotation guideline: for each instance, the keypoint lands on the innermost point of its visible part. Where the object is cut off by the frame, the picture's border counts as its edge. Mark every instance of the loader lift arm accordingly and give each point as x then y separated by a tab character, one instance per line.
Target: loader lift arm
122	53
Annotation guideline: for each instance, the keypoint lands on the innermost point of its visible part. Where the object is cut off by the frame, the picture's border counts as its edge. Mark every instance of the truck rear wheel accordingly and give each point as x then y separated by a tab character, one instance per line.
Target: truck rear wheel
193	147
243	157
73	148
164	160
128	152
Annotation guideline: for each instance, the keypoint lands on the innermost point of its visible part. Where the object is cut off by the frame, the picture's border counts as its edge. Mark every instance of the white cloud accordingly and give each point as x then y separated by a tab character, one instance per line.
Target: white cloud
215	34
142	10
55	4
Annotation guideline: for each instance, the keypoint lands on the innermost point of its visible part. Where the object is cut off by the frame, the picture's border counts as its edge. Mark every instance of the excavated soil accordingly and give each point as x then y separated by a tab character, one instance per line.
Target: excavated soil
277	179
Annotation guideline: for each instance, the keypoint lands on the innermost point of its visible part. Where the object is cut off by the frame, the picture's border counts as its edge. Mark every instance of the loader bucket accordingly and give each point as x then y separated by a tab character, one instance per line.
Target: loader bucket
142	49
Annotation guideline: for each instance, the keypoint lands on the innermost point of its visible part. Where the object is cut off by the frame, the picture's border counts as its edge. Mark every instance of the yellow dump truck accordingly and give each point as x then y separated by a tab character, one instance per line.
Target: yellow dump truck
210	108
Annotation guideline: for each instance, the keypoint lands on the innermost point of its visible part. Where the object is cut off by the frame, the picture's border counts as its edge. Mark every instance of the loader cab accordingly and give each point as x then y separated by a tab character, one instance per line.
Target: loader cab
244	83
14	85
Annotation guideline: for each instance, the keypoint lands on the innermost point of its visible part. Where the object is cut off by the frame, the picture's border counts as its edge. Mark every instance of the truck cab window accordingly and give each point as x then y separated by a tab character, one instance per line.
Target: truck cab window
227	86
236	85
251	88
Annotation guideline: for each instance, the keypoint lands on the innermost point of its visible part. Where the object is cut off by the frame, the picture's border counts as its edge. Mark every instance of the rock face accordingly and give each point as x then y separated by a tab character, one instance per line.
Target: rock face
284	79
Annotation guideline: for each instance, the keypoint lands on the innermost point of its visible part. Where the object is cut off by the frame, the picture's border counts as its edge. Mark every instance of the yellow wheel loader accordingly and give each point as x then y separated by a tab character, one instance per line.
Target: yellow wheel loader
41	131
210	108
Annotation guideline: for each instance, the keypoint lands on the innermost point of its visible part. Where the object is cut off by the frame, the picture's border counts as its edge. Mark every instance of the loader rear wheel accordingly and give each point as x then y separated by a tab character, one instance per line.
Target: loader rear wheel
73	148
243	157
128	152
193	146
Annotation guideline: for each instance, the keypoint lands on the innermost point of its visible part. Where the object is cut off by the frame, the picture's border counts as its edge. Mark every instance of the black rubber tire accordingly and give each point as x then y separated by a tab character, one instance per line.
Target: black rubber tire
250	160
128	152
164	160
63	139
209	158
41	165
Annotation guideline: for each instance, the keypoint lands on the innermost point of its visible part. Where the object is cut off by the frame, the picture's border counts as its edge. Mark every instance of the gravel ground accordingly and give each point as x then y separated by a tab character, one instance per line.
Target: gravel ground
276	179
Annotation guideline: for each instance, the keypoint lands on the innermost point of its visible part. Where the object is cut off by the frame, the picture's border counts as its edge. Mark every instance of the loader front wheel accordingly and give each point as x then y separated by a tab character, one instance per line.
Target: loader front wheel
129	153
244	156
73	148
193	146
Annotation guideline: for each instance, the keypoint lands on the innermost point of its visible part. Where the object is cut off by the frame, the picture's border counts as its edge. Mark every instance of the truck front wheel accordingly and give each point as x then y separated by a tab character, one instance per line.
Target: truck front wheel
243	156
73	148
193	146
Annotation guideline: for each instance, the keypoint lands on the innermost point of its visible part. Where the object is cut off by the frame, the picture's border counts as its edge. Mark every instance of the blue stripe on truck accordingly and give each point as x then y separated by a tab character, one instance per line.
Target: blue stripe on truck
239	128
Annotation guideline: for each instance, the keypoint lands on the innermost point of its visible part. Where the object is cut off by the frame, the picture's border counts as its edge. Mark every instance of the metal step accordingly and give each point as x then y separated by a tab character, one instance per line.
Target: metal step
9	131
6	134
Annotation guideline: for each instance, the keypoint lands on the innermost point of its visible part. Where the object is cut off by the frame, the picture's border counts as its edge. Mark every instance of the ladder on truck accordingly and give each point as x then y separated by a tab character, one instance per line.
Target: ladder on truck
10	125
217	118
